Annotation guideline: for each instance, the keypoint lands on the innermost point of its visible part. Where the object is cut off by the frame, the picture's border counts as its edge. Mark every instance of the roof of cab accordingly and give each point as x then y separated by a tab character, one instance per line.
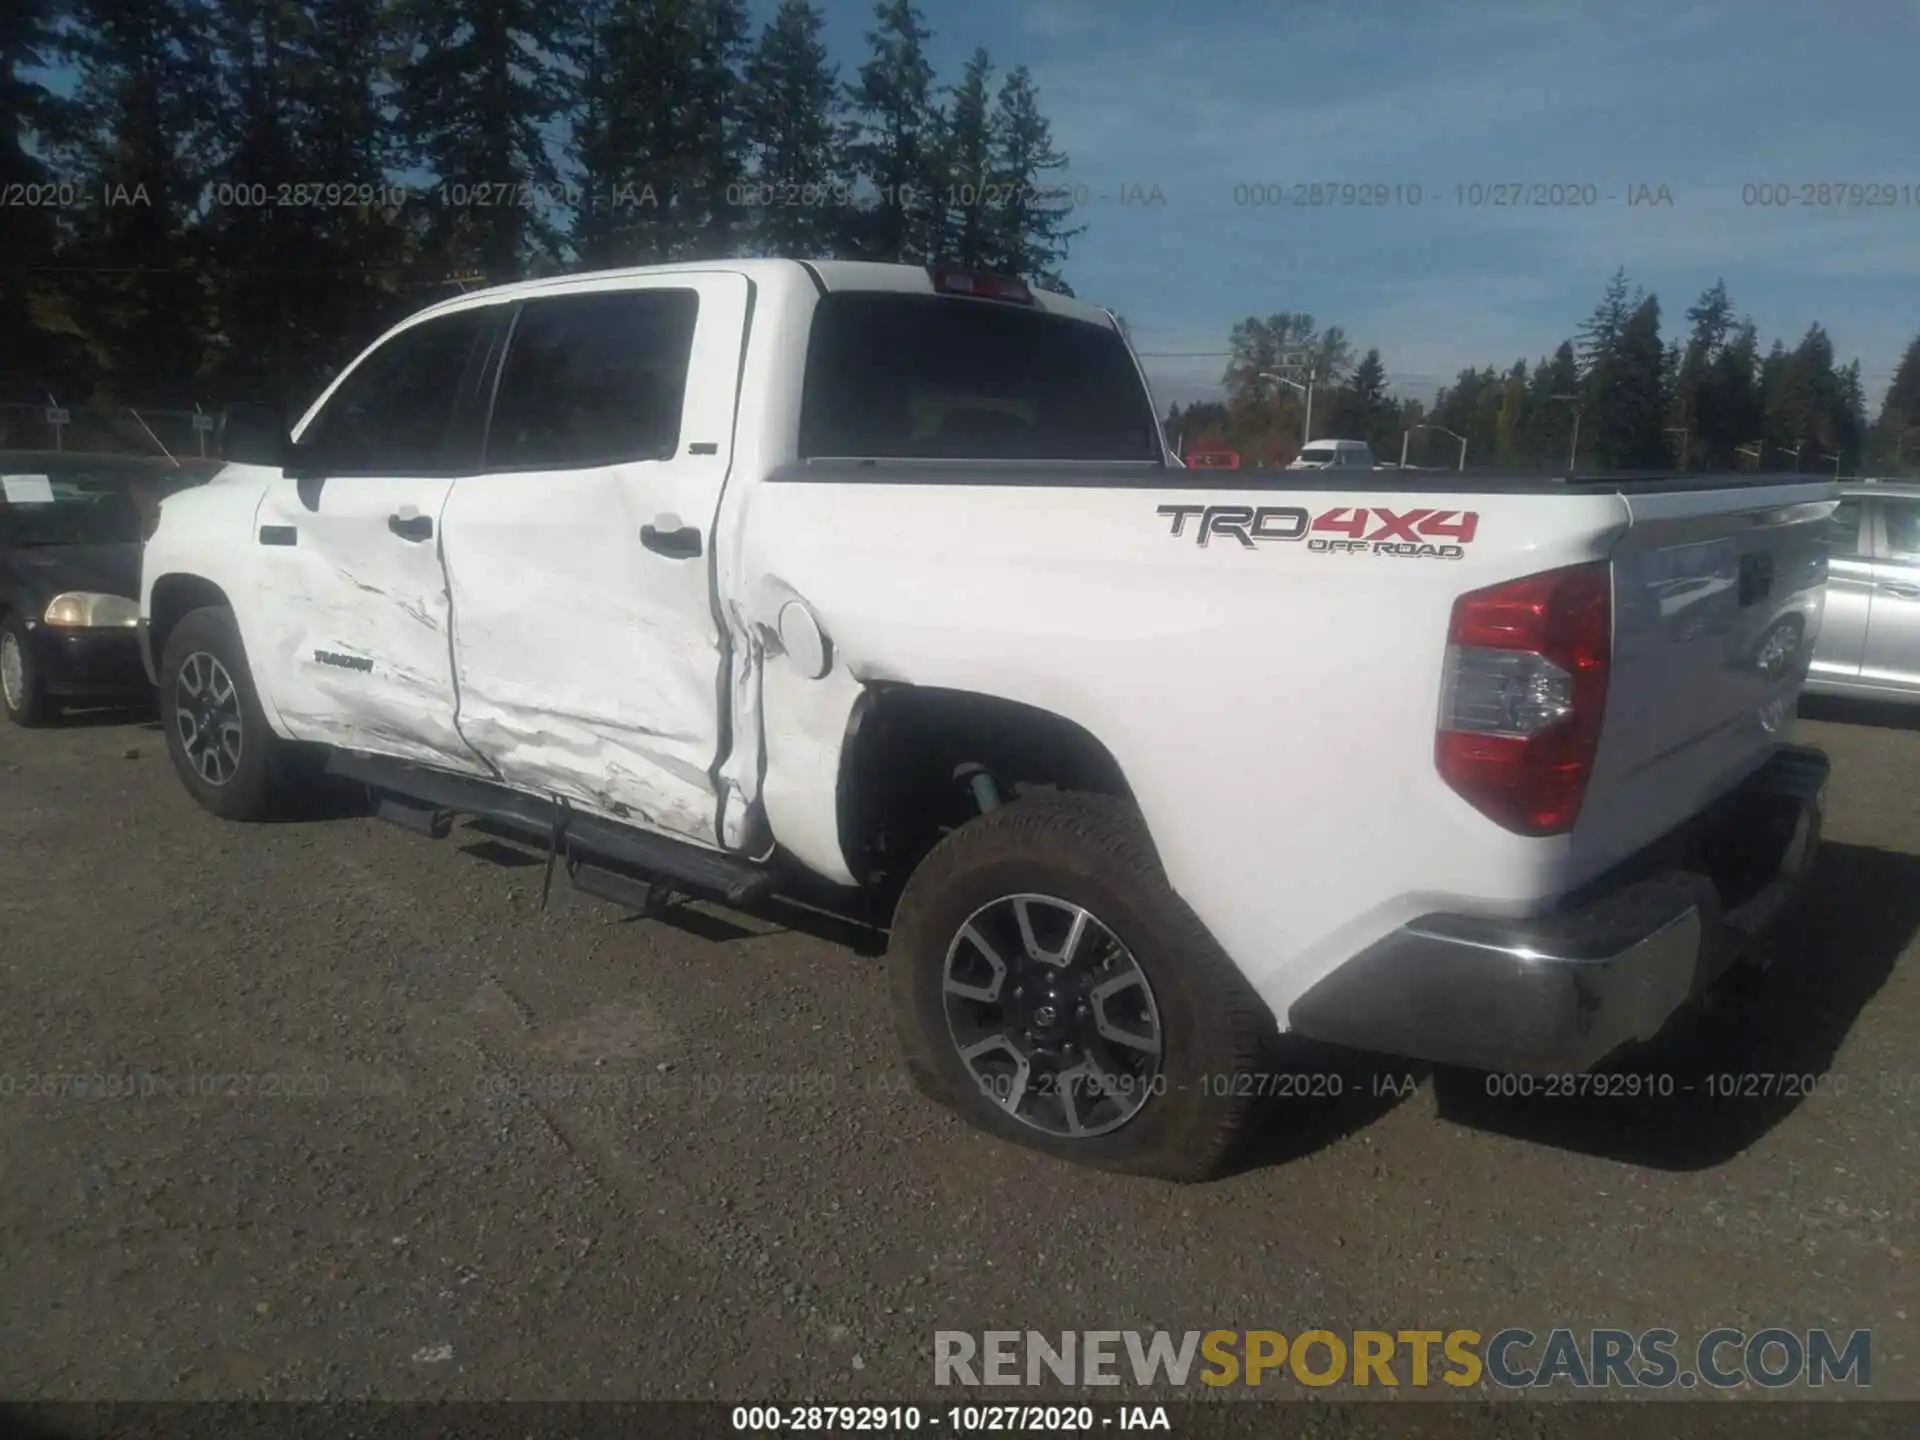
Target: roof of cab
833	275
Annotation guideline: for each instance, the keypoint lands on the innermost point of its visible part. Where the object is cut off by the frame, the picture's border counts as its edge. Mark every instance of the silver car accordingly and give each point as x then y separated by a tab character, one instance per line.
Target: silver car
1870	640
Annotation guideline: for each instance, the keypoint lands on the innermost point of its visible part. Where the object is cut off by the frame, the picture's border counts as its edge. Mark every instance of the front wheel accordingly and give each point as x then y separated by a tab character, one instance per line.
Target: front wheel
22	693
1051	988
217	735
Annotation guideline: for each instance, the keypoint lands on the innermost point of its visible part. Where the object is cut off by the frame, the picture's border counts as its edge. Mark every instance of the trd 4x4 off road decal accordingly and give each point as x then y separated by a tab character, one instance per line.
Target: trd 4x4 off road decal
1363	530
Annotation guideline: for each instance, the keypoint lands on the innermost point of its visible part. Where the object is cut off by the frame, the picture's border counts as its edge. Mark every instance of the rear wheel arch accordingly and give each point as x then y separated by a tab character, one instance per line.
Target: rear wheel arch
900	786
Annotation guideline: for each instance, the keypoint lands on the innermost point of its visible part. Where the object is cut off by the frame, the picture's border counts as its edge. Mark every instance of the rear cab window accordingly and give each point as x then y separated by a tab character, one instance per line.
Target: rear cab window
934	377
593	379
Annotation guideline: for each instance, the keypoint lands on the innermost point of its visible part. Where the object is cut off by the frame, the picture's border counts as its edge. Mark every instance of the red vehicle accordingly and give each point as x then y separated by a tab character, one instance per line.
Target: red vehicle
1213	460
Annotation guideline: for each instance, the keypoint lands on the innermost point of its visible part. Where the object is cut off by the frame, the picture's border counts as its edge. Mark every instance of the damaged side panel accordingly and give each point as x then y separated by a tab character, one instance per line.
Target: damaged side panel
589	659
352	642
806	731
743	821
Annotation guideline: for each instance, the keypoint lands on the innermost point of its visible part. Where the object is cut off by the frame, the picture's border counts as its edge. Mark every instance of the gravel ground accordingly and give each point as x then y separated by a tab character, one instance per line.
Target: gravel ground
395	1132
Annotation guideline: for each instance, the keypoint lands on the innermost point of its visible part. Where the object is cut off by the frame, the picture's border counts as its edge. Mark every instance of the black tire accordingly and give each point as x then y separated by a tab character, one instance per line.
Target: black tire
26	701
1094	853
252	789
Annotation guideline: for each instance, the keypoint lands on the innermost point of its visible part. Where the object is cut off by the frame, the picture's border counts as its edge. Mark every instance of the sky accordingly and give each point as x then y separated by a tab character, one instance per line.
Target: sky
1702	97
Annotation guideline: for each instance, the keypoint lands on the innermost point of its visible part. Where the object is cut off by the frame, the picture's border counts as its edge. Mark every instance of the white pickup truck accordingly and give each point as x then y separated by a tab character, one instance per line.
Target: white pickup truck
712	576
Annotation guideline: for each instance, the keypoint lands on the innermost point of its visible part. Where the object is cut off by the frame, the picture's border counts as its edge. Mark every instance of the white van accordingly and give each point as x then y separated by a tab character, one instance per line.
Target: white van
1334	455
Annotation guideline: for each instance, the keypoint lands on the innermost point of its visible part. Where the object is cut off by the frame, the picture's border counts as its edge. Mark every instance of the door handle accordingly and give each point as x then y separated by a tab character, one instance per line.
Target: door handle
411	527
680	544
1905	592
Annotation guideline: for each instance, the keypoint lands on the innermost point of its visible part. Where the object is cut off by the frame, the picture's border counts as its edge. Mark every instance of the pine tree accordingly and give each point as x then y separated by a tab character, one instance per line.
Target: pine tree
970	229
1599	334
716	120
1360	409
1631	406
476	99
1368	385
1624	371
1699	404
1035	229
1466	407
366	279
1553	402
1815	390
1778	422
263	255
1331	356
31	359
1850	416
142	117
1896	441
794	136
897	142
1736	394
1710	322
659	130
1483	426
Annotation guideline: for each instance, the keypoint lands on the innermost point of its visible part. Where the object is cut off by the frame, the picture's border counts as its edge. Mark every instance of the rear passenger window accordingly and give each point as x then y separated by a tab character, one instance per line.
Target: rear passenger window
1903	528
593	379
1843	529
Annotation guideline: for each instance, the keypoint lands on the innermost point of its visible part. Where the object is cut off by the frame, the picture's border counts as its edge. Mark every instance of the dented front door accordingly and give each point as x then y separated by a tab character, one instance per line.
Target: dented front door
348	581
356	615
588	654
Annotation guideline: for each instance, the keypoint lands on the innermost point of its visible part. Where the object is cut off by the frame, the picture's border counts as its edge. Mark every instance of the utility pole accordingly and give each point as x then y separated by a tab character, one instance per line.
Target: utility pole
1442	430
1299	360
58	417
1573	449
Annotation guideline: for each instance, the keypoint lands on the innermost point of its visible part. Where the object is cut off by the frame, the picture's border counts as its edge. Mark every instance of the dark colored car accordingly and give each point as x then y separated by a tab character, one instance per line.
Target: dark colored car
71	527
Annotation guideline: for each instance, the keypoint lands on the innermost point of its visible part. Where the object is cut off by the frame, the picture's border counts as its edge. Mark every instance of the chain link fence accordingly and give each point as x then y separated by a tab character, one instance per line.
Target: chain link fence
109	430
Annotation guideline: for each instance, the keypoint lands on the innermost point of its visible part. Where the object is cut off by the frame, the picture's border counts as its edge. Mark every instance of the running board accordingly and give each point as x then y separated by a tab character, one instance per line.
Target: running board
411	792
643	897
421	819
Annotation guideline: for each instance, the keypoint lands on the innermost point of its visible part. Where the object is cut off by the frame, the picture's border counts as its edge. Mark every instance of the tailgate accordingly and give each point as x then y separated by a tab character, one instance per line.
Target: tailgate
1717	597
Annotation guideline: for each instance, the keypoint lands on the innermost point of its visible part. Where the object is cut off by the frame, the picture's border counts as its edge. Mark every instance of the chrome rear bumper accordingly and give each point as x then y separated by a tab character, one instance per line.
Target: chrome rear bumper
1565	990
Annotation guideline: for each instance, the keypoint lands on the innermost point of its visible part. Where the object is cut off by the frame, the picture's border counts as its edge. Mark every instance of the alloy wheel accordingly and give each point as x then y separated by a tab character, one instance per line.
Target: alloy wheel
1052	1016
207	717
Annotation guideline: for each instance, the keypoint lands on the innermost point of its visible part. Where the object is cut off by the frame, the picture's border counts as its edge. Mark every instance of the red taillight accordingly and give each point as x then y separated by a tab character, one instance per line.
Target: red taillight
982	287
1525	688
